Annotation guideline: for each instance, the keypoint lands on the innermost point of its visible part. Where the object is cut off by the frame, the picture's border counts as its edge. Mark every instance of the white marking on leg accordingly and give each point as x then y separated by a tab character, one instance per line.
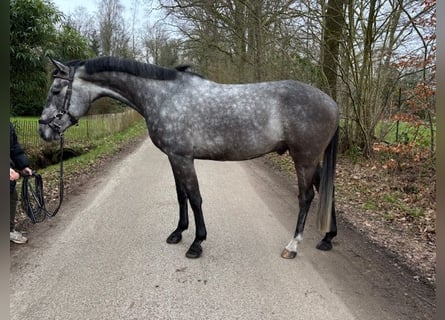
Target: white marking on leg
293	244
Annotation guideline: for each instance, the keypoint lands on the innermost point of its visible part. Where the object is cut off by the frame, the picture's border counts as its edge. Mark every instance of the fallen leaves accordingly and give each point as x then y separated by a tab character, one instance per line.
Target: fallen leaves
396	209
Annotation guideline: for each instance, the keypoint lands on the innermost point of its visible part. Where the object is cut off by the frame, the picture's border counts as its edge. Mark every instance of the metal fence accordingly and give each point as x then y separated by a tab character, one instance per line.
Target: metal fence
89	127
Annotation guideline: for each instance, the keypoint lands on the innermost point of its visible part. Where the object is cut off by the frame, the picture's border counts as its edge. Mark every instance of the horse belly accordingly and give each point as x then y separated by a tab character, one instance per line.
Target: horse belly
235	147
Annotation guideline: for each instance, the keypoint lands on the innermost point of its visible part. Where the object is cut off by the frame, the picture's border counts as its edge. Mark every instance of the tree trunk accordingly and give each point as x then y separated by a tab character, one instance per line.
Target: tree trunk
332	34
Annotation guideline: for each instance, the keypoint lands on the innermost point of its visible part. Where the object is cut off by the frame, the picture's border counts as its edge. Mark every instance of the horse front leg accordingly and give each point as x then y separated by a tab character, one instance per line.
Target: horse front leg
185	176
176	236
305	195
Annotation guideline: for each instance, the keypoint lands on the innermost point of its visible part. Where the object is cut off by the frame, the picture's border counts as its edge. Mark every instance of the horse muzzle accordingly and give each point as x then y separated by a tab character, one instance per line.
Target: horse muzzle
49	131
52	128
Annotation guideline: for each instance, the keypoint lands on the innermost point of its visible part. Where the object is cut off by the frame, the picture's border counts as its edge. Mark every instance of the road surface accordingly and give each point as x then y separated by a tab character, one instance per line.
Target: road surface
105	256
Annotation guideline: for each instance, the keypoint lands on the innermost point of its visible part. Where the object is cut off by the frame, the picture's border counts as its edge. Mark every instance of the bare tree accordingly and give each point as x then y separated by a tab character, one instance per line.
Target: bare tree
135	7
114	37
245	33
85	23
375	32
159	47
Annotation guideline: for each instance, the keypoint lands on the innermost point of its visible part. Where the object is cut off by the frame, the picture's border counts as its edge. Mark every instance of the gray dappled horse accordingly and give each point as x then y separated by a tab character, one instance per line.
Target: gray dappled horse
189	117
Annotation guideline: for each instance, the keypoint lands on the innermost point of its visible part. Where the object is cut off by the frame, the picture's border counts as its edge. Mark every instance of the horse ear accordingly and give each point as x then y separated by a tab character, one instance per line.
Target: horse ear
59	65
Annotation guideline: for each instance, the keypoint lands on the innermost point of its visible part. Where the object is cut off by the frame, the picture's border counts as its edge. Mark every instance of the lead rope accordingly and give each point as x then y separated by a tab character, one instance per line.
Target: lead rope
32	197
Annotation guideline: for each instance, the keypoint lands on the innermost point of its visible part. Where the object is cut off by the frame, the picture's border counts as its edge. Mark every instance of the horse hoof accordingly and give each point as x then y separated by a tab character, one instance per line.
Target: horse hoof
194	251
174	238
324	246
286	254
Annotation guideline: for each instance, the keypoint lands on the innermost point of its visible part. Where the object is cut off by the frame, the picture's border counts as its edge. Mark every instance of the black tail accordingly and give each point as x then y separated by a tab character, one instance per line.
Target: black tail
327	185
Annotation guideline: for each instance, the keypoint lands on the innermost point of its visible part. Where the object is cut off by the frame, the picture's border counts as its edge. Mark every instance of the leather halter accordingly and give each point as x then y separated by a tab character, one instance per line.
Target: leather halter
56	121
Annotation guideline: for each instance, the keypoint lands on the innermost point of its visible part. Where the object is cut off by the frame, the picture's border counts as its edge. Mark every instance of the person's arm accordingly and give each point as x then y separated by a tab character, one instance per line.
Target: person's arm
16	153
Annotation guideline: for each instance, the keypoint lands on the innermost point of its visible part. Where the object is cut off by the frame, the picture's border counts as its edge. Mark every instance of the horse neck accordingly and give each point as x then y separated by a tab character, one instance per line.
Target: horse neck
139	93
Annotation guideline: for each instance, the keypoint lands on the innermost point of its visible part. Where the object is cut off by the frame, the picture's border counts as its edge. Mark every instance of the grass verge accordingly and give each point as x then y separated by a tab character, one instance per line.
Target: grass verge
103	148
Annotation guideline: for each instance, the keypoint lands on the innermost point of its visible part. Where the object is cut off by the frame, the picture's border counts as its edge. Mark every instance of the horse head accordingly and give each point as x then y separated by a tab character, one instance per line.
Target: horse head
65	103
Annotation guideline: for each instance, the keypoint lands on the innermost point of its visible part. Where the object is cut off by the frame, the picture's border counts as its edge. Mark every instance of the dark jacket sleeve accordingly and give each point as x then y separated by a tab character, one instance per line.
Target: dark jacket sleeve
17	157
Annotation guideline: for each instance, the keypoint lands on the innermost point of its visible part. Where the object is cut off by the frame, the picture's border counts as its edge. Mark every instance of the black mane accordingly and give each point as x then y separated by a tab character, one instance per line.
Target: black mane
140	69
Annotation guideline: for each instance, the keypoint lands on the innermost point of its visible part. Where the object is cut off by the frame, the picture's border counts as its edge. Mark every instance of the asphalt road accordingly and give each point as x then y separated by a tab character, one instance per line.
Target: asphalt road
105	256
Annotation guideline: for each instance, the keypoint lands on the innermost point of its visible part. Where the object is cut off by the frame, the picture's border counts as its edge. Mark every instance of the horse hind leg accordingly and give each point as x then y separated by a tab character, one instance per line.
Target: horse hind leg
305	175
326	243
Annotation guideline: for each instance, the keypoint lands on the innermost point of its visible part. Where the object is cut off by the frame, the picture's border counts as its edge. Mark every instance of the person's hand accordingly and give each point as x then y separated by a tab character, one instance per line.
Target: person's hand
13	175
27	171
